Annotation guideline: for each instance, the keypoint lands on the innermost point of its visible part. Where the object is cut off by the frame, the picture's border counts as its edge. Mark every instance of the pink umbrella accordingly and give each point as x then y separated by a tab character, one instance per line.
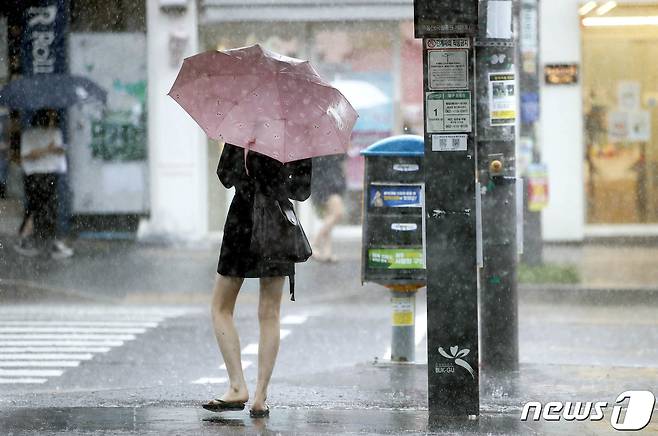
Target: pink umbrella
265	102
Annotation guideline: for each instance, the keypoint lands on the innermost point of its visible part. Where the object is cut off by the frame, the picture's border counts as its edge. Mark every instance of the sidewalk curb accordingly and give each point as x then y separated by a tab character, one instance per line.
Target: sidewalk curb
588	294
23	291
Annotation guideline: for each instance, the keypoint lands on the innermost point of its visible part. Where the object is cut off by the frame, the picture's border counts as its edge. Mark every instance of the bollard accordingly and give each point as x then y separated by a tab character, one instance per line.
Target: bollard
403	323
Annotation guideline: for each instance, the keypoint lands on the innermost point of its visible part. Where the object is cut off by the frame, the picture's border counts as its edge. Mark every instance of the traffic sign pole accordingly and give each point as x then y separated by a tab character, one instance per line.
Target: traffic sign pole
448	29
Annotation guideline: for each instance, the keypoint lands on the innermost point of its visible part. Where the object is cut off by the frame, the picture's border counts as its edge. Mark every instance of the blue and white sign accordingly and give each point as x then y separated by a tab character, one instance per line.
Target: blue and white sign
395	196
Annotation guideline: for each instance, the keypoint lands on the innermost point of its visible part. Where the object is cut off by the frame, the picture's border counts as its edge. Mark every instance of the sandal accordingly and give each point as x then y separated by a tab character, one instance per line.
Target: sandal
259	413
218	405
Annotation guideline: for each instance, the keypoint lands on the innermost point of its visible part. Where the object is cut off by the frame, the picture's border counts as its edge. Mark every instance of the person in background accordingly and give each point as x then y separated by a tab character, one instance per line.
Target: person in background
43	160
328	187
4	152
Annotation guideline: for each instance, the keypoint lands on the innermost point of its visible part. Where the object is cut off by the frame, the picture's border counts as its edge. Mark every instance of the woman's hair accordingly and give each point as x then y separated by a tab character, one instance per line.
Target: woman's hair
43	117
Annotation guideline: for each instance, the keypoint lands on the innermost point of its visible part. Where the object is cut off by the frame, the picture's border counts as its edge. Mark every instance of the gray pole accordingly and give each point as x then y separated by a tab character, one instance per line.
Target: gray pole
529	82
497	87
447	28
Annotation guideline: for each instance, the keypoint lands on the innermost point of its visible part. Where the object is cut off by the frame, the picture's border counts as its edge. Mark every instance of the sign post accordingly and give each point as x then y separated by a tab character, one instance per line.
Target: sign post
497	118
448	29
470	196
529	150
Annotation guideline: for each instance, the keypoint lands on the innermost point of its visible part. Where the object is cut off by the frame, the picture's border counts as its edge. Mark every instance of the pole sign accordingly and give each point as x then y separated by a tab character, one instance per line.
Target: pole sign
439	17
43	42
448	29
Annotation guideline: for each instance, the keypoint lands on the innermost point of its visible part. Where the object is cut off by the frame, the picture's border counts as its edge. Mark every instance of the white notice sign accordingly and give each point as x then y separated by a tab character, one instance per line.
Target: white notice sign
432	43
448	69
449	142
448	111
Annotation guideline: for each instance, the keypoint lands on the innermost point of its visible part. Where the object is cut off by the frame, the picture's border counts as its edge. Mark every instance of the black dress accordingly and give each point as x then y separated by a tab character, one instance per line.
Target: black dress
272	178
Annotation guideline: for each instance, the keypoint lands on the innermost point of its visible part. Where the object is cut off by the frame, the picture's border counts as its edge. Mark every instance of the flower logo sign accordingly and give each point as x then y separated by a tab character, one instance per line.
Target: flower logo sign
456	354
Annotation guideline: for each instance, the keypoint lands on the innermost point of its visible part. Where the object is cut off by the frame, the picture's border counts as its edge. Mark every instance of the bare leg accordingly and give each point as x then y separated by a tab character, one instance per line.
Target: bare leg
223	304
27	229
269	309
333	214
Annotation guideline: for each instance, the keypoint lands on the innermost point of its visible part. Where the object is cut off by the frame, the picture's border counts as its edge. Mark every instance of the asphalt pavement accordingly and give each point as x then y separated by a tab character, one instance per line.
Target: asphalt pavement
118	340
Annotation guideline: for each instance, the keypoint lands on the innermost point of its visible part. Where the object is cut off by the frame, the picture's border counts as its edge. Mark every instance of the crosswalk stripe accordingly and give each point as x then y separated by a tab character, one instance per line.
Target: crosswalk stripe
68	343
31	372
250	349
294	319
7	336
245	364
5	381
79	323
210	380
39	356
54	349
117	330
45	363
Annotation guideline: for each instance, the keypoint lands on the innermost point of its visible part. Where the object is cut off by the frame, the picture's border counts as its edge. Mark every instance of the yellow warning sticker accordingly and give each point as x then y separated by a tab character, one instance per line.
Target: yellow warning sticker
403	311
403	318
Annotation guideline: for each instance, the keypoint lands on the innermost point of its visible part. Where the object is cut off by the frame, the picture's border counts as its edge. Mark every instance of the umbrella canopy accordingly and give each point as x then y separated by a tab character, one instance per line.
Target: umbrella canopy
266	102
56	91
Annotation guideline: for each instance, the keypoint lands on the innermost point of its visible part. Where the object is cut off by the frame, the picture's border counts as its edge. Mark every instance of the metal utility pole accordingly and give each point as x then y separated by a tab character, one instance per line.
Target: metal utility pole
529	149
497	88
470	85
448	29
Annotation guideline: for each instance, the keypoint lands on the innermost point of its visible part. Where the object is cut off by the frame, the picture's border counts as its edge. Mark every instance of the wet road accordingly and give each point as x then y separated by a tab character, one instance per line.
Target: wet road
117	354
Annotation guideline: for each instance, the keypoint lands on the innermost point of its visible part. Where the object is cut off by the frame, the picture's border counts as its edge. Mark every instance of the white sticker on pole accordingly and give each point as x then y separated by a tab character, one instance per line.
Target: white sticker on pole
432	43
448	111
447	69
449	142
499	19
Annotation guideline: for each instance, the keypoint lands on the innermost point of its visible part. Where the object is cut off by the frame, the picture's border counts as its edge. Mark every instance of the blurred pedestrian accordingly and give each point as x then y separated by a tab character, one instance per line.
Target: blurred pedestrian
43	160
328	188
252	176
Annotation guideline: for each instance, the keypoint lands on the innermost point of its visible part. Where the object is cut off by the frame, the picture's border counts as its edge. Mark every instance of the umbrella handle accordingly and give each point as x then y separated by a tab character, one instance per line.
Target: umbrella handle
246	152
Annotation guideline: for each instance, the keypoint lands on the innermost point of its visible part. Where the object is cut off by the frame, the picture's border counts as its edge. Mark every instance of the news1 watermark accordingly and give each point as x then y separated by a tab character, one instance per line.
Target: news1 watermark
632	410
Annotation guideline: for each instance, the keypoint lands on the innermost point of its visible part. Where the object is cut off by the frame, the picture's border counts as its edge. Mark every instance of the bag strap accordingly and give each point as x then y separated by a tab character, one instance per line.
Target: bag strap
291	279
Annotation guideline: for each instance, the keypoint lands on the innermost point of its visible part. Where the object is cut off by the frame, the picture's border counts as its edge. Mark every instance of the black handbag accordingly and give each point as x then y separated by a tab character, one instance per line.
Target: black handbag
277	235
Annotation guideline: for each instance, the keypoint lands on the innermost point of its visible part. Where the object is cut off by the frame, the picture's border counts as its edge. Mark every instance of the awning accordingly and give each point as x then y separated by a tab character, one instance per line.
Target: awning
218	11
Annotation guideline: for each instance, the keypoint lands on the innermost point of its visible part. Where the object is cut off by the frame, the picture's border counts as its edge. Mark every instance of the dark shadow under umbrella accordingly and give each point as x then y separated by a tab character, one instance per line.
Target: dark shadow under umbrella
56	91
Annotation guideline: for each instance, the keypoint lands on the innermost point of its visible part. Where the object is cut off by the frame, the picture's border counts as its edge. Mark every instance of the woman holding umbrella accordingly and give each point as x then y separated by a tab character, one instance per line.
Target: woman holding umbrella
237	260
275	113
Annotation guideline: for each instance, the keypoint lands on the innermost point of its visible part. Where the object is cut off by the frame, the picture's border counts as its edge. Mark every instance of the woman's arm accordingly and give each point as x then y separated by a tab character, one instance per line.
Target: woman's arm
231	171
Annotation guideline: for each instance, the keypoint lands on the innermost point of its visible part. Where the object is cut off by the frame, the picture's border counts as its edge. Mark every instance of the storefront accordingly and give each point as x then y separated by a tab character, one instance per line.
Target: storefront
599	120
107	178
367	51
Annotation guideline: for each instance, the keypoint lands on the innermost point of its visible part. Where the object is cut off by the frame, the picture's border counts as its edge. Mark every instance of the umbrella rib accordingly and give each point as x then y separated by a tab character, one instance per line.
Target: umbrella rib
281	114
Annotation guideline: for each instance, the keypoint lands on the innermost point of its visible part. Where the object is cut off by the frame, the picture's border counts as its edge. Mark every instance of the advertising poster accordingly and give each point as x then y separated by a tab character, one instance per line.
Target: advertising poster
395	196
639	126
502	99
537	175
396	258
109	170
628	95
617	126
